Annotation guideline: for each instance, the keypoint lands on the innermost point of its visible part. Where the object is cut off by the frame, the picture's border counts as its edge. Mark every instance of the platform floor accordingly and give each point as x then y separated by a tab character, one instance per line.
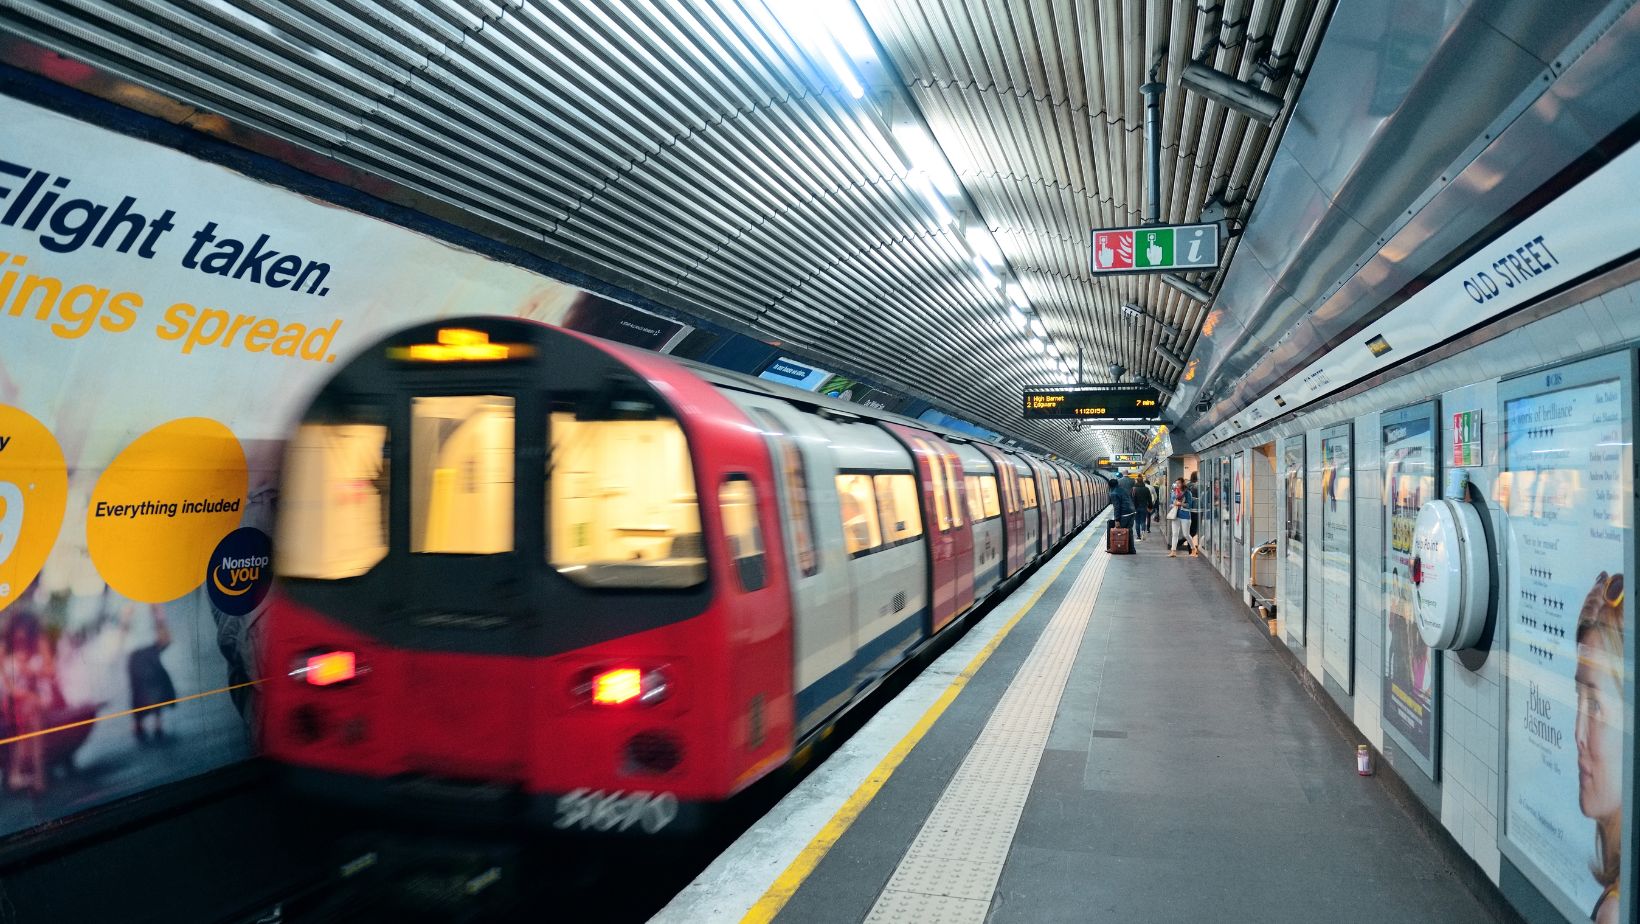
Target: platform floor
1134	749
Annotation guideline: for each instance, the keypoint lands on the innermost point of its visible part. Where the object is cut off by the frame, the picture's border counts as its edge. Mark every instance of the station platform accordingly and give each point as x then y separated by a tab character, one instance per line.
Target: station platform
1119	741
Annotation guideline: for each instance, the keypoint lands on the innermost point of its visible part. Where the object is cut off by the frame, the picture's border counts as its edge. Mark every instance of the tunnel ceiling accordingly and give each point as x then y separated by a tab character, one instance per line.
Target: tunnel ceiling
760	163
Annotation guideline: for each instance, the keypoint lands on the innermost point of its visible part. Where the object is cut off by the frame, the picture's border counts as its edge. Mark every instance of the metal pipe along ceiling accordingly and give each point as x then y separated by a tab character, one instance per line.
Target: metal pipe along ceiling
700	155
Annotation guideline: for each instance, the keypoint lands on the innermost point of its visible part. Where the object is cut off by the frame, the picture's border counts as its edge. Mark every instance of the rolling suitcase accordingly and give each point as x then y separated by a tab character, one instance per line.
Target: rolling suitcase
1119	540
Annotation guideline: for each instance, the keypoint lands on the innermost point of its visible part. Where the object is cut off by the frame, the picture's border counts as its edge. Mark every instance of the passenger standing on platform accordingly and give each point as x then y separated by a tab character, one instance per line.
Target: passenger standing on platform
1599	734
1142	502
151	688
1193	502
1178	518
1121	506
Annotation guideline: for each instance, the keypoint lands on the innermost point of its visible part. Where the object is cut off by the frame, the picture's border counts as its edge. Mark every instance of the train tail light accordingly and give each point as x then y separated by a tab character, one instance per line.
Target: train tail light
626	686
326	668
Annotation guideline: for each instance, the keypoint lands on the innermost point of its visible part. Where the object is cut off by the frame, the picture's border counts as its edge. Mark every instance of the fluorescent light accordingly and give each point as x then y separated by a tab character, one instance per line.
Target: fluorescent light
1038	344
942	213
986	273
1053	348
1226	90
1133	311
1038	328
1191	289
984	244
1018	317
1016	294
1170	356
846	27
926	156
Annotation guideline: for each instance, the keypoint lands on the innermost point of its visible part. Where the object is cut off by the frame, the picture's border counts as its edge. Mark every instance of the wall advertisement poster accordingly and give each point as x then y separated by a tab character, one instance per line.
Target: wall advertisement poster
1293	532
1411	671
1337	553
1568	741
1238	482
1224	516
161	321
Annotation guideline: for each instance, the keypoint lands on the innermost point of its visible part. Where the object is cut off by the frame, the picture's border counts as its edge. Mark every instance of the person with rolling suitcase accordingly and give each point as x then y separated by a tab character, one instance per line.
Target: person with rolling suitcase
1119	537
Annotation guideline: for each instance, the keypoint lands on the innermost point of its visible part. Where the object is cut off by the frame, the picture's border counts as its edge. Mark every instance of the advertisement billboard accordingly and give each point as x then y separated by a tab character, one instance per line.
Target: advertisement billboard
1337	502
1410	670
1293	536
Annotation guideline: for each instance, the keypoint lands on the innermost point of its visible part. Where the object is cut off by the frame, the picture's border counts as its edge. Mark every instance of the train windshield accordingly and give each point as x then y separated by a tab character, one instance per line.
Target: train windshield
461	474
621	505
333	517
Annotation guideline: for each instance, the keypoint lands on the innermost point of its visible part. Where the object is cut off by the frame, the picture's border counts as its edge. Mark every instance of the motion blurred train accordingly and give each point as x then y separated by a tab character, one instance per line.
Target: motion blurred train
532	576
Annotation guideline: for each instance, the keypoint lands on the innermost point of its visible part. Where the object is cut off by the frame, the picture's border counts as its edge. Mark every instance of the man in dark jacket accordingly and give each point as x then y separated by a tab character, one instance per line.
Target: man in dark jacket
1142	502
1121	504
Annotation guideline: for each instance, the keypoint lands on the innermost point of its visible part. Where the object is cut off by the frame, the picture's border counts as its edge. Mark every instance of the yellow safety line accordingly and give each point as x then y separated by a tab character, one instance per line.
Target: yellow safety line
117	715
786	885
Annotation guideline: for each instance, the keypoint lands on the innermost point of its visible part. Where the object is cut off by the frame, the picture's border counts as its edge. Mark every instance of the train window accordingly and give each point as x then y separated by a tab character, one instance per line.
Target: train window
976	506
1053	489
737	502
953	484
1027	490
797	492
333	512
861	532
897	500
621	498
1010	488
461	474
942	501
988	495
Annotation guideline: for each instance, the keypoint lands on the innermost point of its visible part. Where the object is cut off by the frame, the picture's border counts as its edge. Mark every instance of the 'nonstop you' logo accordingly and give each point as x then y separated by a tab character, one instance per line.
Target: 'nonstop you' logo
240	571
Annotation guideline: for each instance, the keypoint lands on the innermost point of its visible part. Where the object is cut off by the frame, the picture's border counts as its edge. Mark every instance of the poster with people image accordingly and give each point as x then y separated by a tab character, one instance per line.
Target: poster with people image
1337	551
1567	490
1294	527
1411	671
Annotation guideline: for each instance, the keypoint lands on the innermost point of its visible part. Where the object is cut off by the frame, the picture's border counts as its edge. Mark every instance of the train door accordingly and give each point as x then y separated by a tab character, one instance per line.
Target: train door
1036	537
1013	519
823	630
950	544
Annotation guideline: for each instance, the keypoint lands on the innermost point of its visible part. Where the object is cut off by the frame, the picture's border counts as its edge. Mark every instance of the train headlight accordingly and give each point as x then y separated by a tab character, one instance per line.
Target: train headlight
625	686
326	668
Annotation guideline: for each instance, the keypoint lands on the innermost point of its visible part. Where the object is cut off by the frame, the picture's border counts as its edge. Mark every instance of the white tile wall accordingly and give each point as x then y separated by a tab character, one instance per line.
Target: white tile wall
1469	778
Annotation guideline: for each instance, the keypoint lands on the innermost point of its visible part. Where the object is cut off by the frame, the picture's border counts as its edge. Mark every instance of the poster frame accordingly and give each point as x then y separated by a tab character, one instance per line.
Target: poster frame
1546	380
1346	684
1431	411
1297	629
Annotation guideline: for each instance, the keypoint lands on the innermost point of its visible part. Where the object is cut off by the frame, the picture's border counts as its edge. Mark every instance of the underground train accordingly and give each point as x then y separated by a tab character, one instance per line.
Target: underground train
527	575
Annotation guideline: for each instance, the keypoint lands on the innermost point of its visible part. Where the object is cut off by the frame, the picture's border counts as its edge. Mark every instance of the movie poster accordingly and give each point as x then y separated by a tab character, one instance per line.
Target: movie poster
1337	549
161	322
1568	493
1411	671
1294	527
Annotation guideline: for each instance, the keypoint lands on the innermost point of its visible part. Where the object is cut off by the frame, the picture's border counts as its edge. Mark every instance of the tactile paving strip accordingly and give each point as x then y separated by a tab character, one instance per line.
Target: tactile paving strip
950	872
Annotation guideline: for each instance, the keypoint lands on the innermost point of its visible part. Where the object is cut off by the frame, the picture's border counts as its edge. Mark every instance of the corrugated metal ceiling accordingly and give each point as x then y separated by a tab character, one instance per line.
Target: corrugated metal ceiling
715	156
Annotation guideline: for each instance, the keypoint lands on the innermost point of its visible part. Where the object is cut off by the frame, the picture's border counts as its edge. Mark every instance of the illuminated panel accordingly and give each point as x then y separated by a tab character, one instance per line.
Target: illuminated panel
457	344
1093	402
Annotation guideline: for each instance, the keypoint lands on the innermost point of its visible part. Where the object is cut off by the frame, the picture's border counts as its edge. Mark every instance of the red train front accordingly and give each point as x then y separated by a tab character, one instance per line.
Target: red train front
524	578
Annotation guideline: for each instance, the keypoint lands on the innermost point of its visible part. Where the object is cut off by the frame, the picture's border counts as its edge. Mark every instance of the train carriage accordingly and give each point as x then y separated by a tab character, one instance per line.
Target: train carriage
528	575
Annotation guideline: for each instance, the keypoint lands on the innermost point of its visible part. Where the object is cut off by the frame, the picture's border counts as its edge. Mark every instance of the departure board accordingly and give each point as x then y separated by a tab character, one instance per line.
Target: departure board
1092	402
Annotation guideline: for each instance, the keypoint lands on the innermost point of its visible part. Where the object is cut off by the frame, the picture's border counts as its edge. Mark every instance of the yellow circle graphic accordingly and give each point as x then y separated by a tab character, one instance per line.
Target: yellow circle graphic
163	505
33	495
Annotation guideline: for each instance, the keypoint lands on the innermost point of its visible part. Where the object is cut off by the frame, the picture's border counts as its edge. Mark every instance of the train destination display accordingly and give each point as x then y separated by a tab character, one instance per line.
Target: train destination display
1092	402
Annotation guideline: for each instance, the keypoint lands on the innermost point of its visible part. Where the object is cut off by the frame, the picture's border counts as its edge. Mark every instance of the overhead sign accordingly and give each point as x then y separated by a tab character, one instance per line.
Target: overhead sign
1092	402
1155	249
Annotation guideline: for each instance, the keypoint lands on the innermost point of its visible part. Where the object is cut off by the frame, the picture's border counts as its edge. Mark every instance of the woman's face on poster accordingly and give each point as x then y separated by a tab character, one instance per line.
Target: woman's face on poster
1599	733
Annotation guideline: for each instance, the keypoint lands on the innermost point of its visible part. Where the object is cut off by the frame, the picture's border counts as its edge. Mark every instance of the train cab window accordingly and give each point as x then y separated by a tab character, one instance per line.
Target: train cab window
1027	490
988	495
333	511
621	503
856	498
976	506
897	500
737	502
461	474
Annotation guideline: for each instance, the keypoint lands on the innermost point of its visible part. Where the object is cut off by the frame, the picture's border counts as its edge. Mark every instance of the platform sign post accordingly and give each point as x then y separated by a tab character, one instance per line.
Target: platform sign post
1155	249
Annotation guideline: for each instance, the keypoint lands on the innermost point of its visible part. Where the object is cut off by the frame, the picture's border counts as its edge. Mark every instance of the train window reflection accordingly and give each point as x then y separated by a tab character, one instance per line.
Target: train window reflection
333	513
861	532
461	474
738	505
897	499
621	499
1027	490
976	506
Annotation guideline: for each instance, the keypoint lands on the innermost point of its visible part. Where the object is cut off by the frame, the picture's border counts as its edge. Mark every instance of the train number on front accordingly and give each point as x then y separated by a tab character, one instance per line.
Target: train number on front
597	810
